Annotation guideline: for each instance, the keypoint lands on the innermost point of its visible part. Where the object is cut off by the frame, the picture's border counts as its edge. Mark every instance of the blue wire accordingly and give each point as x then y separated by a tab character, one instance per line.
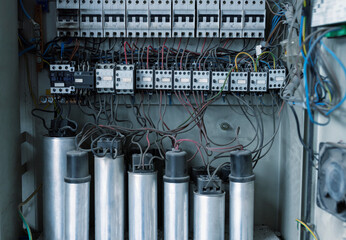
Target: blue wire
266	63
306	78
26	50
62	49
343	68
25	12
301	37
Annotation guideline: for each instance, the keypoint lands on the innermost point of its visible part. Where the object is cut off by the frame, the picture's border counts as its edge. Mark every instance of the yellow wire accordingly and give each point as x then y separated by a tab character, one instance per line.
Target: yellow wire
306	226
245	53
329	94
304	28
46	62
271	54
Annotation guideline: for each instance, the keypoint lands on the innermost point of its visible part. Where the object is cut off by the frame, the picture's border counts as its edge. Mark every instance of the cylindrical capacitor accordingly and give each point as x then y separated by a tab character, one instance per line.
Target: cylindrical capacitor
176	196
77	202
209	215
54	151
242	194
143	204
109	197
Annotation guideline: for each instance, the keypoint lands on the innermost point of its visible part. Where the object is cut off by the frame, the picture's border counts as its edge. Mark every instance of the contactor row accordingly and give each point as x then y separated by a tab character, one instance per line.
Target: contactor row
126	79
161	18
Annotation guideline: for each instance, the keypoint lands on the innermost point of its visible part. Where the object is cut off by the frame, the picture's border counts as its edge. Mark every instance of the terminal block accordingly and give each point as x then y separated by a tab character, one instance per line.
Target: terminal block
206	185
137	18
201	80
62	78
163	79
114	13
84	79
67	23
232	19
145	79
91	5
106	144
105	78
182	80
208	18
184	17
124	80
142	163
219	80
258	82
276	78
67	4
239	82
160	20
254	18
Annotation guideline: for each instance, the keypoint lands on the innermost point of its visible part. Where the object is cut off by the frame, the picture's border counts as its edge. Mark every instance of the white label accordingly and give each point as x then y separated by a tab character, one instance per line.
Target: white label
59	84
279	79
78	80
108	78
203	80
241	81
147	79
126	79
166	79
261	82
185	80
222	81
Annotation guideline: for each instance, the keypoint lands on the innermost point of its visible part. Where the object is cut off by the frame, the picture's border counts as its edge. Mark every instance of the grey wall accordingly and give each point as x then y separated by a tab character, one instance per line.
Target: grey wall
10	188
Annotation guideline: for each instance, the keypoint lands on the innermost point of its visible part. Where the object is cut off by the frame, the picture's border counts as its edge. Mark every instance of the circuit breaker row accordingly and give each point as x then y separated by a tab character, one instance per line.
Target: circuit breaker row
126	79
161	18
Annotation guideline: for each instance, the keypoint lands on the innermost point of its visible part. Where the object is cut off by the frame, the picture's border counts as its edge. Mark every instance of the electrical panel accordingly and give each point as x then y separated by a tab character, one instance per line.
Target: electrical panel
161	18
62	78
182	80
105	78
327	12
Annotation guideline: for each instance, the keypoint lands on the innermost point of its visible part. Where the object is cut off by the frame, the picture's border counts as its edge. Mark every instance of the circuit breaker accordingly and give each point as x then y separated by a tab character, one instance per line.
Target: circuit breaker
105	78
254	18
208	18
201	80
184	17
62	78
114	13
258	82
160	20
124	79
144	79
137	18
239	82
231	24
163	79
91	22
182	80
276	78
220	80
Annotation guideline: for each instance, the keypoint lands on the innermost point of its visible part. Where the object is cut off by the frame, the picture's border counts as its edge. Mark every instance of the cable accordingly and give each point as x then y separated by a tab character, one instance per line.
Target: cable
245	53
307	228
271	54
24	11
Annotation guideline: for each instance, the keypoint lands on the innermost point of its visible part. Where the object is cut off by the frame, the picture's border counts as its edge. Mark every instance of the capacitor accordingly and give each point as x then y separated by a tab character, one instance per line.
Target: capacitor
77	201
176	196
209	209
142	199
242	194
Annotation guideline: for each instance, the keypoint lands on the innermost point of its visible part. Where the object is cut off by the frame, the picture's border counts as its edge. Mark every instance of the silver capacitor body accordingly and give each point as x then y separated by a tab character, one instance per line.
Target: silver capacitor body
241	210
142	205
77	196
54	151
77	211
176	210
209	216
109	198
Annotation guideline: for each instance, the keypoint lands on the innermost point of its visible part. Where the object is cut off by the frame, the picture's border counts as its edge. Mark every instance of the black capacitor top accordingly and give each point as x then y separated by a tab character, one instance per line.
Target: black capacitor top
241	166
77	165
176	164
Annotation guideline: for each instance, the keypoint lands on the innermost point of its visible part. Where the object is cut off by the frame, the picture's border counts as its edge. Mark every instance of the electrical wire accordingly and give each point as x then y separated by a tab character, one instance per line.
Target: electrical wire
307	228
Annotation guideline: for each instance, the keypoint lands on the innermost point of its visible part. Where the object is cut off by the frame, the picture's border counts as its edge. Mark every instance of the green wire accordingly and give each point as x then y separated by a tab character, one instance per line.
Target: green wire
26	224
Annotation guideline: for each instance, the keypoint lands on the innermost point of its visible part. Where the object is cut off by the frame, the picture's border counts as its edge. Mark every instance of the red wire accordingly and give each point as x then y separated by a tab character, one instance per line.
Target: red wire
162	51
203	45
126	43
179	44
148	57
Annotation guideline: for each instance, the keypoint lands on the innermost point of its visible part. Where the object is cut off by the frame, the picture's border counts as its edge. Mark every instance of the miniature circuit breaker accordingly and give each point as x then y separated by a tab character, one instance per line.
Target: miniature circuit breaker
91	22
163	79
182	80
220	80
114	13
201	81
105	78
239	82
231	22
254	18
124	79
137	18
184	16
258	82
276	78
160	20
208	18
145	79
62	78
67	21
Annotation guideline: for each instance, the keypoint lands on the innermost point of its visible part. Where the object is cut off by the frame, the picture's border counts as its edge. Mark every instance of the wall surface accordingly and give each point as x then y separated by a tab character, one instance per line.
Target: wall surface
10	188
